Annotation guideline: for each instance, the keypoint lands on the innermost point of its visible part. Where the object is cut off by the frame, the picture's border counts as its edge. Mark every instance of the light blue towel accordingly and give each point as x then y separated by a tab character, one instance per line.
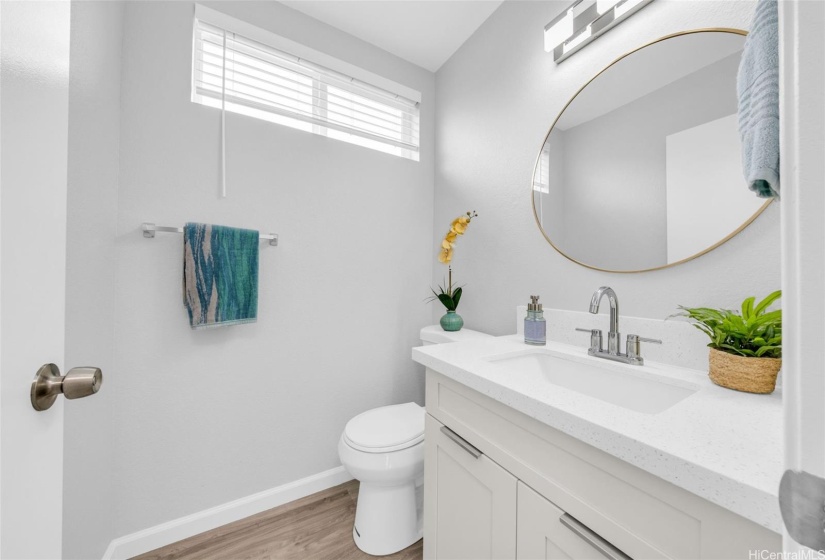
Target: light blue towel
220	275
758	88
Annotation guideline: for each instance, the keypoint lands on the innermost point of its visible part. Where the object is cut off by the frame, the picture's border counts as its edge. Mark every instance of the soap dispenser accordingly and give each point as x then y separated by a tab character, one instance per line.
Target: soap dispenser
535	327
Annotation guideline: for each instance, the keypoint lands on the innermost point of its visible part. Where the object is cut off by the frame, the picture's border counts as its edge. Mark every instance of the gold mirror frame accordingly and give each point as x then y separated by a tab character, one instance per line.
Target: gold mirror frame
547	136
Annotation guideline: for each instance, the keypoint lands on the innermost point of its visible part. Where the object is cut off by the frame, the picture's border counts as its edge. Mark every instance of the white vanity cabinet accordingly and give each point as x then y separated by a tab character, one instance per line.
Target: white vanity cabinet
499	484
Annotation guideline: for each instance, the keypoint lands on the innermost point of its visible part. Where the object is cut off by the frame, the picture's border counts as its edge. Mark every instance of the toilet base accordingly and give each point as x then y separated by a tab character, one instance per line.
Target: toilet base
387	518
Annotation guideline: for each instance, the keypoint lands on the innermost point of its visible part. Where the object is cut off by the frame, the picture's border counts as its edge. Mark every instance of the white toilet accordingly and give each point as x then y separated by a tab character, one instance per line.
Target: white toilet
383	448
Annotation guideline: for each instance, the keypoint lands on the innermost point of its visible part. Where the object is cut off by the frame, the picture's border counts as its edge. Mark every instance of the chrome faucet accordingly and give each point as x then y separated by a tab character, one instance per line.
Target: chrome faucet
613	343
633	355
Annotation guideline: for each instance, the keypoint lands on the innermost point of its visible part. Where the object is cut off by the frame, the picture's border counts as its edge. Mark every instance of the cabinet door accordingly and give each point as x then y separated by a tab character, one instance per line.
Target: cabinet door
543	535
469	501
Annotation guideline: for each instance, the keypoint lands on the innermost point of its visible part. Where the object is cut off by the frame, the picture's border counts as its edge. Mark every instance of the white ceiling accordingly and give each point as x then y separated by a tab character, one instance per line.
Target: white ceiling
424	32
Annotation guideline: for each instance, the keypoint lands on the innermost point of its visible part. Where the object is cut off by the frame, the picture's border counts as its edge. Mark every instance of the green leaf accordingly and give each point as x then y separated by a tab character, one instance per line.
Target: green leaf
447	301
766	349
456	298
734	350
762	305
735	323
704	328
747	307
771	317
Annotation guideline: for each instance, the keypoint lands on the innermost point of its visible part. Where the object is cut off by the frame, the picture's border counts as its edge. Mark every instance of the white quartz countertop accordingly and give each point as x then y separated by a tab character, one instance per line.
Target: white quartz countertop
722	445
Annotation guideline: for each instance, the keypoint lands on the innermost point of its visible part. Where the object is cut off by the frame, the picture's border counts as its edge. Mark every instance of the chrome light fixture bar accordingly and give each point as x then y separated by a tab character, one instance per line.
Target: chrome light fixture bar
583	22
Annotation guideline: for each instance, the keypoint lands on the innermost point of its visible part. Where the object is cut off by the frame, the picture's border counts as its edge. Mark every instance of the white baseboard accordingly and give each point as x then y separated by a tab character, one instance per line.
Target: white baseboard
128	546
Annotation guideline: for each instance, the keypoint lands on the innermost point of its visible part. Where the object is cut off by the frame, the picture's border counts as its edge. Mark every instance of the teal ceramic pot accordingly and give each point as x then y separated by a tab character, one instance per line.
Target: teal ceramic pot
452	321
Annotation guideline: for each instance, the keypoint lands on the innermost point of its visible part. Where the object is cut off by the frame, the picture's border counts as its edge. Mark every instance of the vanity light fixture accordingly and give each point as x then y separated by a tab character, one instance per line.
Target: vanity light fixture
564	26
574	42
603	5
584	21
625	7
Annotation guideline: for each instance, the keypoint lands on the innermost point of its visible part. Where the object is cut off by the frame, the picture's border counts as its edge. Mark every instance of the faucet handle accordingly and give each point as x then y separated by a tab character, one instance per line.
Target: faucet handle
595	338
634	345
651	340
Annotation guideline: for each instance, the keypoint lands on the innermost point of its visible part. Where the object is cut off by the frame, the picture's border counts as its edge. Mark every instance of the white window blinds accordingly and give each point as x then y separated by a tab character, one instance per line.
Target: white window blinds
250	77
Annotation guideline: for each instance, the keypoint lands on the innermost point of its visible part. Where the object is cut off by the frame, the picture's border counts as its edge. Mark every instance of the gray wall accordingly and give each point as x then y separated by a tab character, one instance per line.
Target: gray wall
94	136
211	416
496	98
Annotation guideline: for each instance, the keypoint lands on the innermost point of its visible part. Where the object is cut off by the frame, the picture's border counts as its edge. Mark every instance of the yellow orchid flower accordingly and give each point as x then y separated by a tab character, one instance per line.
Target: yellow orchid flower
457	227
445	256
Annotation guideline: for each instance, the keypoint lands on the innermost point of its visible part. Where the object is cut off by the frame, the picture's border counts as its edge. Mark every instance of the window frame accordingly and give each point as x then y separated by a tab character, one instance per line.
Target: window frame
324	70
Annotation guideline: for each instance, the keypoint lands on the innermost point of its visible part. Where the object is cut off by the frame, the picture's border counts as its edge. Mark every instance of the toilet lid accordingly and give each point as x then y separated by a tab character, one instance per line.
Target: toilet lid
389	428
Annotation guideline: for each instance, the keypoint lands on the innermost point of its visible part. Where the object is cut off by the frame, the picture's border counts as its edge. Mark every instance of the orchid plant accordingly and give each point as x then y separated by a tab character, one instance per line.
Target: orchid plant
447	294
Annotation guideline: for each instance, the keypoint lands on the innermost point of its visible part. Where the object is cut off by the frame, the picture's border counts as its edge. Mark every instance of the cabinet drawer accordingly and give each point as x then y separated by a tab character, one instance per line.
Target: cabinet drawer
541	534
639	513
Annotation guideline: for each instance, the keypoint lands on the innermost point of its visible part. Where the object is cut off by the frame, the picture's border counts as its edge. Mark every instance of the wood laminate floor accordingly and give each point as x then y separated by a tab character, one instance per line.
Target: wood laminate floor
316	527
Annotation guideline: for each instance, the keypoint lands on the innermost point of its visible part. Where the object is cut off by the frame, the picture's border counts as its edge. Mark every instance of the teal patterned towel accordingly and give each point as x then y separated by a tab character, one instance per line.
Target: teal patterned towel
220	275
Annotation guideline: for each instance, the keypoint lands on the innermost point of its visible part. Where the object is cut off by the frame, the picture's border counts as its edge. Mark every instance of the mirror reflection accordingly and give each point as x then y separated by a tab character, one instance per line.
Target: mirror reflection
642	169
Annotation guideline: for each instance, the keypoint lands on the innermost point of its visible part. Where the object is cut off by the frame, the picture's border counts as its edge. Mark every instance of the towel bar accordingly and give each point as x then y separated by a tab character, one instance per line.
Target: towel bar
149	230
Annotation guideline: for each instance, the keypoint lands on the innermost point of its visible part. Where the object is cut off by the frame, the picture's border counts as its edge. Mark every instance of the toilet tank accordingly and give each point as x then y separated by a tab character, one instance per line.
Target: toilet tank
434	334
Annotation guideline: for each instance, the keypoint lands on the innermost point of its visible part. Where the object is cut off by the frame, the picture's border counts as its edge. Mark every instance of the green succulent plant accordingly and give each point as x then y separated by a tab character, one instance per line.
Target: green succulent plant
753	332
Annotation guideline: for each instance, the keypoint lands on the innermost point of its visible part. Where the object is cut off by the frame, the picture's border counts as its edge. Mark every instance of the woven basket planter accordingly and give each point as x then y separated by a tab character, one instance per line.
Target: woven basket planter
751	375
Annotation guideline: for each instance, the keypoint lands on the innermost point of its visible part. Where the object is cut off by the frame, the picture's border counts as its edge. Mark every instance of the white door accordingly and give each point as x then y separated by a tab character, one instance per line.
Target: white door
469	500
802	112
34	97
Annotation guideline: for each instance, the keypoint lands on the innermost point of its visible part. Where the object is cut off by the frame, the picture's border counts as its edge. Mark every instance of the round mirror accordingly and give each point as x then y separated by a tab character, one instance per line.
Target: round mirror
642	168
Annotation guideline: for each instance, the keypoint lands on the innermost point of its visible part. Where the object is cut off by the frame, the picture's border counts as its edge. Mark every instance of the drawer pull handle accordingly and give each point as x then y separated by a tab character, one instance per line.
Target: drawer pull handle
592	538
463	443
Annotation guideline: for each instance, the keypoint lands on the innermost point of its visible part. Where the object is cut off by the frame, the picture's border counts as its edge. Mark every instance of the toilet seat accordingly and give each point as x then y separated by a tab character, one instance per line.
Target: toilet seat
386	429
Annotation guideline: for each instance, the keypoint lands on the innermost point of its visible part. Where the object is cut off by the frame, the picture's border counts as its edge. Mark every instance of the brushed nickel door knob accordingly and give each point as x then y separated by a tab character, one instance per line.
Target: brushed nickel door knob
81	382
48	384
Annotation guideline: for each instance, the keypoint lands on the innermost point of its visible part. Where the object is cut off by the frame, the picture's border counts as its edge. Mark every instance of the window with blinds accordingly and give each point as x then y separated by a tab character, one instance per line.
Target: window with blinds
246	76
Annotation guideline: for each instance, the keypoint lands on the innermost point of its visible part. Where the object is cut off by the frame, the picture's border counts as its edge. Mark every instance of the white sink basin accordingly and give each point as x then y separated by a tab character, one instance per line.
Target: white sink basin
610	382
